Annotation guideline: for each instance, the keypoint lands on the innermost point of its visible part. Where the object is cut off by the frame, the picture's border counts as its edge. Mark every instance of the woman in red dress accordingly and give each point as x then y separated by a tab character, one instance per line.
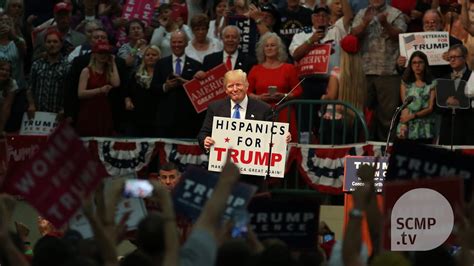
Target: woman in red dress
95	82
273	78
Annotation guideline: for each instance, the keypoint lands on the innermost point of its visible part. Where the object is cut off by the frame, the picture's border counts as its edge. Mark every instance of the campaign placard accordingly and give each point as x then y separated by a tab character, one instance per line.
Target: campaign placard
421	212
196	187
293	220
42	124
352	165
3	160
411	160
248	144
433	44
315	62
248	33
20	149
135	9
202	92
134	207
58	177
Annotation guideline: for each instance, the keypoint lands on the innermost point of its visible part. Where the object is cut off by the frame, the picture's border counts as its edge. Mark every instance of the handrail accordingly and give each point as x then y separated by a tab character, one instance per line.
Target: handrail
299	103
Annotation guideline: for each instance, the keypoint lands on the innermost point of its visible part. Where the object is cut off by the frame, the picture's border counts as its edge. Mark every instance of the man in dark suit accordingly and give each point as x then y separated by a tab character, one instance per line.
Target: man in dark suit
176	117
230	38
463	133
239	106
236	86
116	97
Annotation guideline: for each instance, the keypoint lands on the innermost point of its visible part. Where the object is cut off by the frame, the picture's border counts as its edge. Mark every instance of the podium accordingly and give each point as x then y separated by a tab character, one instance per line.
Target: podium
451	95
351	180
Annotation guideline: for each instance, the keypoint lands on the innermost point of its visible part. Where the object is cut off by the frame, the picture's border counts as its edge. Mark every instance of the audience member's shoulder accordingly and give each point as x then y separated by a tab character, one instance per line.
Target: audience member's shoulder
258	103
453	40
216	105
192	61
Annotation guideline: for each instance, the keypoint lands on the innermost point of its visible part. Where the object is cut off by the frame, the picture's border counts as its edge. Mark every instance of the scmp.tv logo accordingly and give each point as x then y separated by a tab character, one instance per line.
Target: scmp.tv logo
422	219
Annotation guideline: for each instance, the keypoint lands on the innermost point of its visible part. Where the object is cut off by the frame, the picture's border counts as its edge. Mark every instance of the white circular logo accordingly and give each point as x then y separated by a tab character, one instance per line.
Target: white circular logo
422	219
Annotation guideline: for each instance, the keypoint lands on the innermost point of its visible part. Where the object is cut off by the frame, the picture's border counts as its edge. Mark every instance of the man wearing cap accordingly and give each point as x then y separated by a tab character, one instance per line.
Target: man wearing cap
176	117
302	43
377	27
294	19
71	38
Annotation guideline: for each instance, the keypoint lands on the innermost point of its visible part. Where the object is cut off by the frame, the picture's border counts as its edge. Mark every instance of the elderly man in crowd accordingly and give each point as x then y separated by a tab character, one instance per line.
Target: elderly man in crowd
378	26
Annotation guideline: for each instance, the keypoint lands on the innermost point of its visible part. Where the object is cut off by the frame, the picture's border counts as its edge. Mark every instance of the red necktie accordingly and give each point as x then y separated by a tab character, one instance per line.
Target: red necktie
228	62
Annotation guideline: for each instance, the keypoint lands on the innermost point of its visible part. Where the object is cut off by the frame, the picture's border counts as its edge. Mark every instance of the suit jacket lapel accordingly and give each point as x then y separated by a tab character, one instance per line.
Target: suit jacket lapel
250	114
239	61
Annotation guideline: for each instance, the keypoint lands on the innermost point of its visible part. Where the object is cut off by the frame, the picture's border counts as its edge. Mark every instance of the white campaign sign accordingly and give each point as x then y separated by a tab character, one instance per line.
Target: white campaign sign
422	219
43	123
433	44
134	206
248	143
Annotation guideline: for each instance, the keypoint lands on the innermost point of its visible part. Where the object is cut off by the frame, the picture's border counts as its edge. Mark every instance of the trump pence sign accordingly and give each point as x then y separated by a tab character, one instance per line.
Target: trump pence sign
247	142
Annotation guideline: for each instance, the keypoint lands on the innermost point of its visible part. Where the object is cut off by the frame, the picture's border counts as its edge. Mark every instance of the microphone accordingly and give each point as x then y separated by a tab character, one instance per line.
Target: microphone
406	102
273	123
286	95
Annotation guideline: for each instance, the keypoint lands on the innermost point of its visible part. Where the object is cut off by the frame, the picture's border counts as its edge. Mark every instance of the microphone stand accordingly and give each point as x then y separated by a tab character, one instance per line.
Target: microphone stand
392	124
271	129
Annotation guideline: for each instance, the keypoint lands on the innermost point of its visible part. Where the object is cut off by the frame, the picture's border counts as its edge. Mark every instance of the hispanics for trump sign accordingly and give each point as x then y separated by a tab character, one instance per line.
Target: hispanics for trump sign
433	44
58	177
248	143
316	61
202	92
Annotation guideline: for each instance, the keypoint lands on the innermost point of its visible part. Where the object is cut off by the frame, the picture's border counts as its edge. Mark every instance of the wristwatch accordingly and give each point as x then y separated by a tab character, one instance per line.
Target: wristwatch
356	213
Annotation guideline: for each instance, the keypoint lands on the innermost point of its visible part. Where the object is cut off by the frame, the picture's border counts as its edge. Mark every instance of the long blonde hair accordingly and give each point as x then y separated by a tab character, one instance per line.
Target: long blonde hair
142	76
352	82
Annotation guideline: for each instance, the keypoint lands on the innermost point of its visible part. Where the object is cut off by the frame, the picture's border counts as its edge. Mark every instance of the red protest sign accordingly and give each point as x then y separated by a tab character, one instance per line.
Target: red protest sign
58	177
21	149
315	62
202	92
141	9
3	160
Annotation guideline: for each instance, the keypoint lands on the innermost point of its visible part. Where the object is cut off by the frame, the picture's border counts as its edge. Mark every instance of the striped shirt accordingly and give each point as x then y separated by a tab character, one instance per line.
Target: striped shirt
47	84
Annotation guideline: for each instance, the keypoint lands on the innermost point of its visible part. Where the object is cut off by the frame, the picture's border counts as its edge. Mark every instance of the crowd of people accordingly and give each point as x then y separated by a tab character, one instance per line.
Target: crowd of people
109	76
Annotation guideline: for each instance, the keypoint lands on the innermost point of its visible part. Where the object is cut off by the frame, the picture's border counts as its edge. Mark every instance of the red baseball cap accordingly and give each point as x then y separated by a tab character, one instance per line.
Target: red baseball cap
101	47
61	6
350	44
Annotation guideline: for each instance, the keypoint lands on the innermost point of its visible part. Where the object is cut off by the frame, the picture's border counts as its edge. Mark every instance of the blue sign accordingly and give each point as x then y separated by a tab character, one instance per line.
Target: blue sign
196	188
352	165
294	220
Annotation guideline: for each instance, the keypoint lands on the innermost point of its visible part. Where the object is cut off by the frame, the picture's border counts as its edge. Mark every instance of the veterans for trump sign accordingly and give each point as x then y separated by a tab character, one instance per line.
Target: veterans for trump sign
315	62
58	177
202	92
248	143
433	44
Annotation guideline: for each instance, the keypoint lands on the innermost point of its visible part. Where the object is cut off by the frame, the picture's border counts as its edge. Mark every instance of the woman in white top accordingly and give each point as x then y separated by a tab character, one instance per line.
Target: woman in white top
201	45
217	24
162	35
